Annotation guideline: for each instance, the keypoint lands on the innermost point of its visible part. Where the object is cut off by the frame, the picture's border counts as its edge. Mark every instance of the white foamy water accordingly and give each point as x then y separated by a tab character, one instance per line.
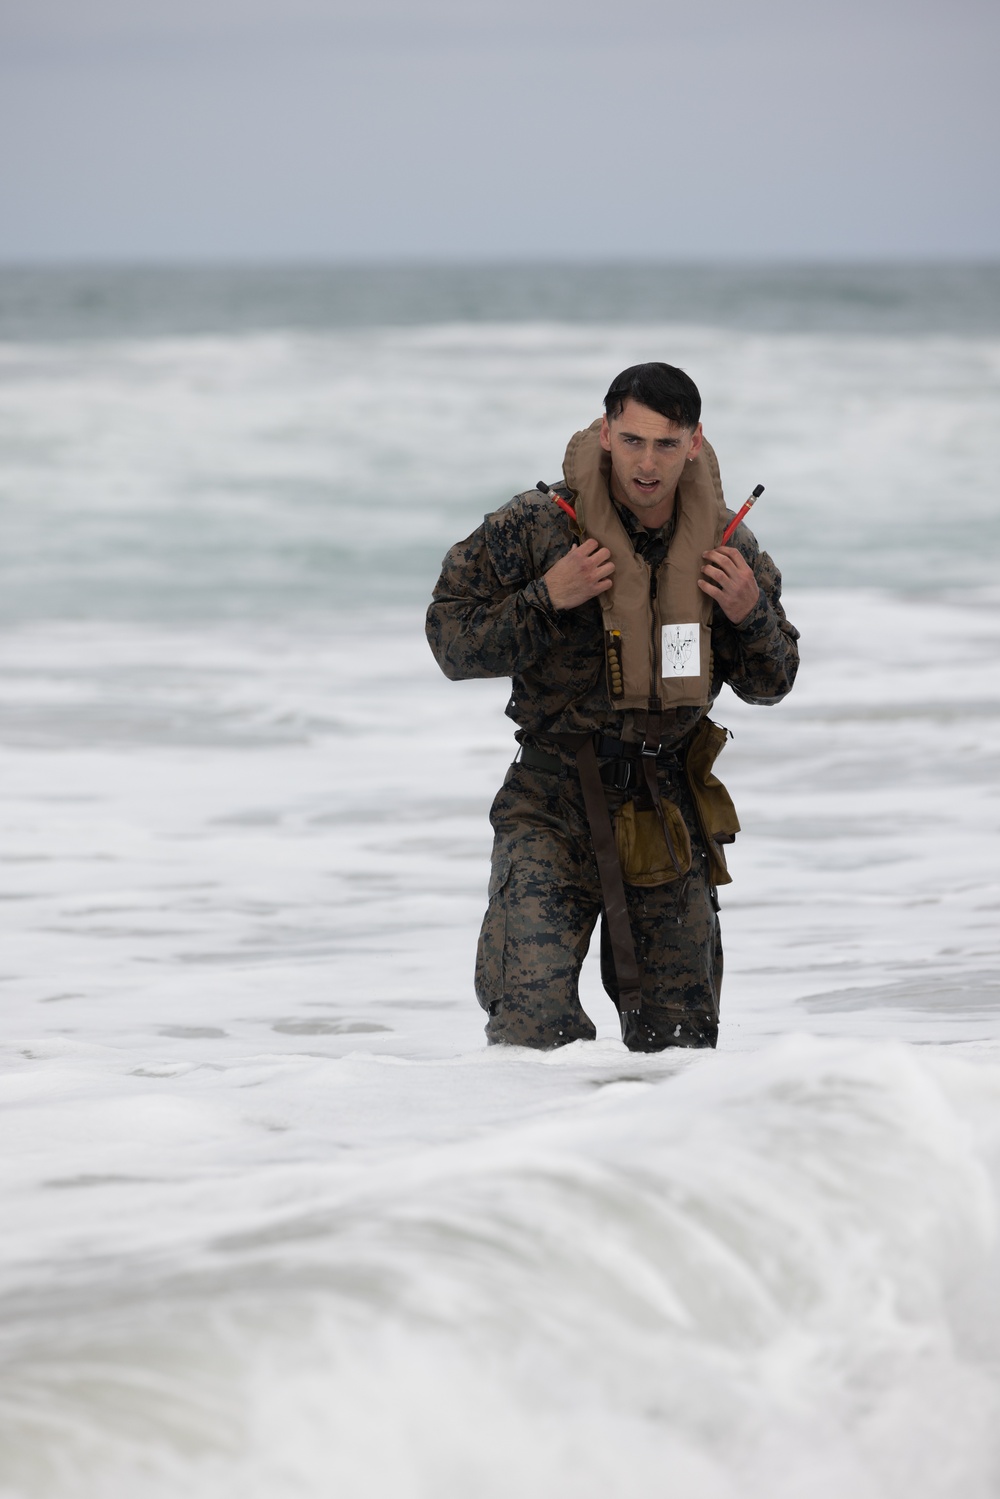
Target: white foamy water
275	1221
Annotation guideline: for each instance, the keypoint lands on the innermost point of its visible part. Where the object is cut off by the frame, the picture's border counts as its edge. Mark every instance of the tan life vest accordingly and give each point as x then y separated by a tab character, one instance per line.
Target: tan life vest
657	627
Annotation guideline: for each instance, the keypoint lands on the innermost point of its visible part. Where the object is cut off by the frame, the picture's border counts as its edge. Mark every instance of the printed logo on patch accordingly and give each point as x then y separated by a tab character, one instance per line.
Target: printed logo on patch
681	650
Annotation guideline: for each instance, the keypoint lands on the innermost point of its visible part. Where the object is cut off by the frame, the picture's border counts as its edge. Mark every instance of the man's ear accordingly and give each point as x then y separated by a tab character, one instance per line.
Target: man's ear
697	442
606	434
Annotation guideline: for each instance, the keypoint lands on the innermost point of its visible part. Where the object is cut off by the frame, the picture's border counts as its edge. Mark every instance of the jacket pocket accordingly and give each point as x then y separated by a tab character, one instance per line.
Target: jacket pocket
499	874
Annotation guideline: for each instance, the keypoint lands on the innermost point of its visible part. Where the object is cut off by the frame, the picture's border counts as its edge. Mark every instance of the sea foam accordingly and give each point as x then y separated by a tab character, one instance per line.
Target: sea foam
276	1222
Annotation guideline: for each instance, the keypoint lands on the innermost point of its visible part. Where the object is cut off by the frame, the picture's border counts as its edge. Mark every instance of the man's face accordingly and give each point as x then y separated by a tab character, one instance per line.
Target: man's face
648	454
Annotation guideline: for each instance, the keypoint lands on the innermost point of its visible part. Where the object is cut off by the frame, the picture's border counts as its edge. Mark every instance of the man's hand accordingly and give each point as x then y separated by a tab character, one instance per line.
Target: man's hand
582	574
728	579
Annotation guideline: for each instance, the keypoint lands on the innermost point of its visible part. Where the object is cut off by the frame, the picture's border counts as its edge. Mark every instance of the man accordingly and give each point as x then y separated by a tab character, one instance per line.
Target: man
611	604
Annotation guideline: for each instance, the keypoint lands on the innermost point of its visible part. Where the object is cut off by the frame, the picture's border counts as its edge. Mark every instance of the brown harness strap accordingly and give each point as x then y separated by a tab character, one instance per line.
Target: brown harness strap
609	867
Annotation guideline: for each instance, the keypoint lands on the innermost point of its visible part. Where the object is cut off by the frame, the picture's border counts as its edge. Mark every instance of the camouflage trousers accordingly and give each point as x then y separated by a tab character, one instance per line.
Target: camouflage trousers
544	902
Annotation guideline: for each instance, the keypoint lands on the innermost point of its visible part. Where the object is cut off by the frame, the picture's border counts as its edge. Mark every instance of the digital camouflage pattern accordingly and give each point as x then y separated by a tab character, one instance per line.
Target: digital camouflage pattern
545	898
491	616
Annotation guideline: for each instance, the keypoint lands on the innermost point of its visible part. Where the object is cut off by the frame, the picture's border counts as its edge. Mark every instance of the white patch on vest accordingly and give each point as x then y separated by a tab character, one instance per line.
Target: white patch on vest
680	651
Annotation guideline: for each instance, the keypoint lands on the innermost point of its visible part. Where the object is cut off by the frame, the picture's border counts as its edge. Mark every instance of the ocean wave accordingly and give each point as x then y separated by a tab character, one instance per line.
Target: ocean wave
765	1274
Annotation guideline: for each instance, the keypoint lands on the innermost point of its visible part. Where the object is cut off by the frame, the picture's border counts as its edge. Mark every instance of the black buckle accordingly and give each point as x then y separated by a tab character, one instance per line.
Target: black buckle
617	773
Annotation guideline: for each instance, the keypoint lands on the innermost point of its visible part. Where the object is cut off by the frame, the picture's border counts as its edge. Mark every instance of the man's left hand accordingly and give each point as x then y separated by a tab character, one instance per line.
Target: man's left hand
727	579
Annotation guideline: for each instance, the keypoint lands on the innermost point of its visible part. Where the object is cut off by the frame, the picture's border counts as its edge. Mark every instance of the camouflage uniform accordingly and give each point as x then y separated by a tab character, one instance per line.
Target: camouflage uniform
491	616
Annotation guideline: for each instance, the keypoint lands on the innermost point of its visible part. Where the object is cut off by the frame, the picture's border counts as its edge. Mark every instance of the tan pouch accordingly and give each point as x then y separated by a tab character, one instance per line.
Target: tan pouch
714	805
642	848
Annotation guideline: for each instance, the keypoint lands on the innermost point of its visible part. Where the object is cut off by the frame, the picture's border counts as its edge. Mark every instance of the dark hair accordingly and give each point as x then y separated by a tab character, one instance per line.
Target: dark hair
662	387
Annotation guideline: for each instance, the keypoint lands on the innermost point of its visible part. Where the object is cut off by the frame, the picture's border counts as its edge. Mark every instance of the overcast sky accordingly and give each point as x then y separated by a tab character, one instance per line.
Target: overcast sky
497	128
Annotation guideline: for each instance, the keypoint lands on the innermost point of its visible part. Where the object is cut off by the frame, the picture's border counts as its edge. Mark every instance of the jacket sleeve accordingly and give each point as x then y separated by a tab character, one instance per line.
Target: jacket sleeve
491	615
760	656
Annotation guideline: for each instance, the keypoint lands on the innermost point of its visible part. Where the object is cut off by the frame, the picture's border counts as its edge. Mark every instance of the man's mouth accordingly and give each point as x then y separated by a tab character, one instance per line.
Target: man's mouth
646	486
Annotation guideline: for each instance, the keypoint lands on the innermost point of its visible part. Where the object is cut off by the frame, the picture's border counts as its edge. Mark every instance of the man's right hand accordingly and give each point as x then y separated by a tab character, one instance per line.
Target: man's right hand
582	574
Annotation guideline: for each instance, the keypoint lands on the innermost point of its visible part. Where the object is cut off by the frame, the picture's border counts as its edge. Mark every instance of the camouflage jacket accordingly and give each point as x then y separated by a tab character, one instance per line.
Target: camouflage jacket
491	616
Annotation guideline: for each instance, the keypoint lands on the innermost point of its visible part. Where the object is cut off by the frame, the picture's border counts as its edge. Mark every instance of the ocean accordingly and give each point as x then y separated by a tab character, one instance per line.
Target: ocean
276	1222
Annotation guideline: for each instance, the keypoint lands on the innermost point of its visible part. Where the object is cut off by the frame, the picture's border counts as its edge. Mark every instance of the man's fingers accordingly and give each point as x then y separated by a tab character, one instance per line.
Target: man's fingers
597	564
580	575
729	580
728	558
591	551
